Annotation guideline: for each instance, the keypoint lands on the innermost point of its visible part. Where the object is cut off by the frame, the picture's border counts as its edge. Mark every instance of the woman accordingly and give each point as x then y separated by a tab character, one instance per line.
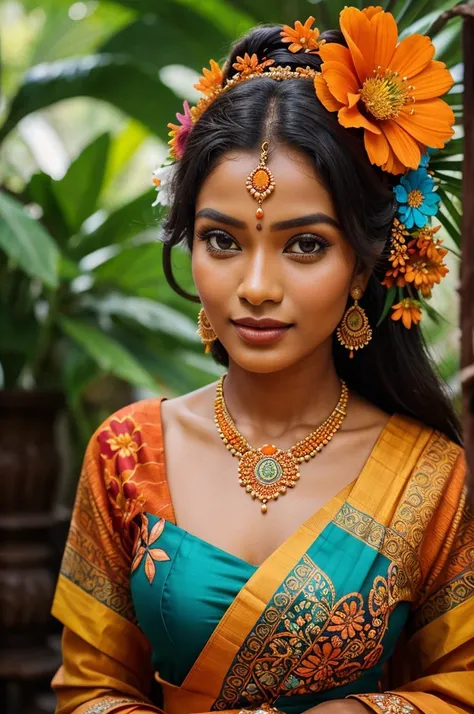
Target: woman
339	575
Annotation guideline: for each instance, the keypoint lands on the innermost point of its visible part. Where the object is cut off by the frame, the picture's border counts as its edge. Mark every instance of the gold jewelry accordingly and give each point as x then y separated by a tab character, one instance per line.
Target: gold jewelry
261	183
354	331
266	473
205	331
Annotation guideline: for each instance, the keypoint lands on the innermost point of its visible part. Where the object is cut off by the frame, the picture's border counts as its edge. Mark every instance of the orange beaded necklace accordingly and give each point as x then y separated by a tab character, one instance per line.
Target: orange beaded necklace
266	473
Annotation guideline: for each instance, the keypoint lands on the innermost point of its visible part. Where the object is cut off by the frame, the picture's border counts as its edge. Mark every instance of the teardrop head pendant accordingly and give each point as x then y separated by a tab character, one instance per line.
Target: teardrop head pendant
260	184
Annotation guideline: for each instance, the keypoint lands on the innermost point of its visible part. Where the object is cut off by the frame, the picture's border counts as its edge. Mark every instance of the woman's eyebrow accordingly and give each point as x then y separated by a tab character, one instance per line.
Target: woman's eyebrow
311	218
305	221
221	217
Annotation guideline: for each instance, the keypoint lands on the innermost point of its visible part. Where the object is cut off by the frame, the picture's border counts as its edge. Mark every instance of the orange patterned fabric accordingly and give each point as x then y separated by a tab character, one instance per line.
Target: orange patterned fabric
423	528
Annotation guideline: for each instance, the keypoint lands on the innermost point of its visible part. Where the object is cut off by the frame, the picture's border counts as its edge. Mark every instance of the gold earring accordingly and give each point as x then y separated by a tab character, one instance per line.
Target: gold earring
354	331
205	331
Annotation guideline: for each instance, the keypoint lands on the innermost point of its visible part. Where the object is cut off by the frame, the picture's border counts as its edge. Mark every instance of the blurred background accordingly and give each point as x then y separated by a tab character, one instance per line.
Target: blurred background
87	321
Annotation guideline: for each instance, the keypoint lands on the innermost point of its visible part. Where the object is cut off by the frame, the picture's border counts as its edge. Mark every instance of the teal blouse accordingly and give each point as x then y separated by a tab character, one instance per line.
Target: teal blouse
191	591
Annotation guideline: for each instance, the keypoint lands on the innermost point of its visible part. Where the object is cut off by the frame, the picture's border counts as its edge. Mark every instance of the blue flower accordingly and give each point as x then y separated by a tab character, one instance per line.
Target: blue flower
426	158
417	198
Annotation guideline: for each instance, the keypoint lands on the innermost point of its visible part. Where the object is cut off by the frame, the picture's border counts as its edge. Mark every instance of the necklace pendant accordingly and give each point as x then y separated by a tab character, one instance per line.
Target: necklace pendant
267	473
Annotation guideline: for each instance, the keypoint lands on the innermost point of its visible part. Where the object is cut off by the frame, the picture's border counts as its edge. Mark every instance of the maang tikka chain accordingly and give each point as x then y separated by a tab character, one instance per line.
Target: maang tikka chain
260	184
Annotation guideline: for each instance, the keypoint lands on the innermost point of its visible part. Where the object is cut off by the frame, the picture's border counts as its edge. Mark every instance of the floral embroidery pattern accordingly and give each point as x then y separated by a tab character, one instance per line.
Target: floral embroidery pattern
388	703
121	439
306	641
107	704
119	445
348	620
144	549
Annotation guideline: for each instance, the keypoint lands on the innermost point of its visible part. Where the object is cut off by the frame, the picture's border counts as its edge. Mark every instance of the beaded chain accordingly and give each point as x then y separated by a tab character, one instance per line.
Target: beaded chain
266	473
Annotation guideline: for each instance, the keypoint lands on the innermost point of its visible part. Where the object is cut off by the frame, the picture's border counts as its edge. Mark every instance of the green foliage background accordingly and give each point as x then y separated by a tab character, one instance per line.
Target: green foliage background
87	91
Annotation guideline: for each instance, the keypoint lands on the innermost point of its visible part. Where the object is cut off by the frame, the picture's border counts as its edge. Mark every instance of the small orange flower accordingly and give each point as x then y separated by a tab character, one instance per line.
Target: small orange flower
347	620
389	89
424	273
409	312
320	663
399	256
211	80
302	37
425	244
144	549
399	231
250	65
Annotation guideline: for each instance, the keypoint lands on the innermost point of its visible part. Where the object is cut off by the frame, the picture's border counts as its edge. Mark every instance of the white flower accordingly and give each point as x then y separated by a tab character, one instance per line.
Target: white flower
162	178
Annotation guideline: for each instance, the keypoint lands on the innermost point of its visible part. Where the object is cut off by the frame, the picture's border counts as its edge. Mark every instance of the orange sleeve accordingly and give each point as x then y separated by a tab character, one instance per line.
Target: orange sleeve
106	658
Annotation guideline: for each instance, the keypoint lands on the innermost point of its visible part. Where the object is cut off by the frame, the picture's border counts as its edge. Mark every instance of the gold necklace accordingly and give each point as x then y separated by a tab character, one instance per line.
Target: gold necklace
266	473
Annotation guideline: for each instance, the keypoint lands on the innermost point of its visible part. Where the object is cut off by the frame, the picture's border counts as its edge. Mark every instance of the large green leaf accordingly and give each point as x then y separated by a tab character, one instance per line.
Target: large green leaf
171	366
26	242
126	84
129	220
111	356
61	36
226	16
160	39
78	191
137	270
147	313
122	149
40	190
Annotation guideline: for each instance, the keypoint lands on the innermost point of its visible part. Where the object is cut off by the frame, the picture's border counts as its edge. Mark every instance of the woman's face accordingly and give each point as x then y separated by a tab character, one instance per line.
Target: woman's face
298	269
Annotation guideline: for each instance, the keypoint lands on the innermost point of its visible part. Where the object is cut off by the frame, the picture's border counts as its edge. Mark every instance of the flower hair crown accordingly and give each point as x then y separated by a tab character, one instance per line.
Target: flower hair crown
389	89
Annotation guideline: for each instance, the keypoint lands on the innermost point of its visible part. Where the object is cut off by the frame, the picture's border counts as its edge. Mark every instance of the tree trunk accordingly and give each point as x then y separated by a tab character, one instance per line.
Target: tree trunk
467	265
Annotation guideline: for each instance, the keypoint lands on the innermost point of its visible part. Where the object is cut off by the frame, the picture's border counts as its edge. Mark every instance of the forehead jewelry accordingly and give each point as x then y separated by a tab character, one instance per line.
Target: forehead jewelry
261	183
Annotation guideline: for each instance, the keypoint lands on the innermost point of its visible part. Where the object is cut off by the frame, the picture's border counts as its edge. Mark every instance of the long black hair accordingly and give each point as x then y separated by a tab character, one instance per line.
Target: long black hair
394	371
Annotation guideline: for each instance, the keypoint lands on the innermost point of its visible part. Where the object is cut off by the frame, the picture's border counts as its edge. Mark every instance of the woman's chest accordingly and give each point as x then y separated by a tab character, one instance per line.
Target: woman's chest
212	501
321	626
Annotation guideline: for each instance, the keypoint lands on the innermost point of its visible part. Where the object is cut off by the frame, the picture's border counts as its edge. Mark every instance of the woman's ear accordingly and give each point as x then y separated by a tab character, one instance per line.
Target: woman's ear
361	276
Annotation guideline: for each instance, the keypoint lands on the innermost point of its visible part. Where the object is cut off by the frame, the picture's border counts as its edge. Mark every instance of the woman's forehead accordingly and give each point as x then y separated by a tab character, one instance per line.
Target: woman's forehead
296	182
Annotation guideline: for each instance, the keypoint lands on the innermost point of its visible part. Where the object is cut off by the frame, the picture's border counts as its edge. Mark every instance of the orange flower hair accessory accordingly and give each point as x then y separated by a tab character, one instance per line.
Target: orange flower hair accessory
249	65
211	79
408	310
390	89
302	37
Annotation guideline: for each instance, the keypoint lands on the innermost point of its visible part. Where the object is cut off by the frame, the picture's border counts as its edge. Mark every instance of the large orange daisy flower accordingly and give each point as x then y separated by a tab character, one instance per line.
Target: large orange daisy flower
389	89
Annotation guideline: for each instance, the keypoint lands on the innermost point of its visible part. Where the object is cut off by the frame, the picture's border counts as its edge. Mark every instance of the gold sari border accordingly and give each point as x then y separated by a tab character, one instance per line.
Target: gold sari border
455	626
95	622
391	460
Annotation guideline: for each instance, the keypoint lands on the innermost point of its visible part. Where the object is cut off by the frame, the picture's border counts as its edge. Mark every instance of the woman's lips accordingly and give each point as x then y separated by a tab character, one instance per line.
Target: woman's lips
261	335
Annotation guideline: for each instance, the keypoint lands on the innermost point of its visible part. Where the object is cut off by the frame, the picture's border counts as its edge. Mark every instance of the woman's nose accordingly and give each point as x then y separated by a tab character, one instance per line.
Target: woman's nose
261	280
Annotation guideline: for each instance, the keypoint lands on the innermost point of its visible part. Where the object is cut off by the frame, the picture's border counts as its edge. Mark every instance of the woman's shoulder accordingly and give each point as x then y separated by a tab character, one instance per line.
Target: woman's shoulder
148	415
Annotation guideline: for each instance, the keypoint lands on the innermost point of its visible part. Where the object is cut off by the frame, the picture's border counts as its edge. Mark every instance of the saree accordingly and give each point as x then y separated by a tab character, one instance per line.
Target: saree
372	597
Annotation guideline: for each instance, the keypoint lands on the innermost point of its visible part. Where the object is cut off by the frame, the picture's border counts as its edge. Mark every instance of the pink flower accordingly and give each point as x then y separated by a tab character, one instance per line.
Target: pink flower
179	134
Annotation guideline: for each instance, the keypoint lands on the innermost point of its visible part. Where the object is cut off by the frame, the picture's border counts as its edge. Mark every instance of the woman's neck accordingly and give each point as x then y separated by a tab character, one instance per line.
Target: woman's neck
279	404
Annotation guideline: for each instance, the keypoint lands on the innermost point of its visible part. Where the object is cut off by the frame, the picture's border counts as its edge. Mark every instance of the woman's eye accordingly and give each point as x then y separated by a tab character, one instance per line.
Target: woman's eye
306	245
221	241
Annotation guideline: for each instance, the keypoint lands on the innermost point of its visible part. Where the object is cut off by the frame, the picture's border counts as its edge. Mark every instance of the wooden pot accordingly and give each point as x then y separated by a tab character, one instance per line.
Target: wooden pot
29	472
